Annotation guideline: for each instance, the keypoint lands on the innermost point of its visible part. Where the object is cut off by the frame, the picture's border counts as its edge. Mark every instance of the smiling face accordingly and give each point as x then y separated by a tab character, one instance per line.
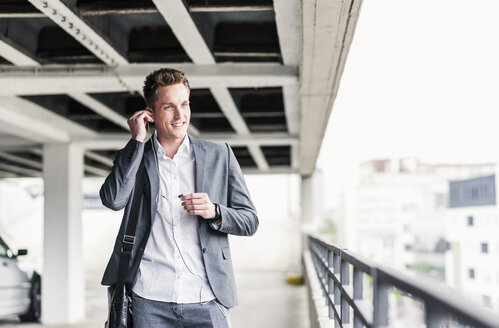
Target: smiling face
172	113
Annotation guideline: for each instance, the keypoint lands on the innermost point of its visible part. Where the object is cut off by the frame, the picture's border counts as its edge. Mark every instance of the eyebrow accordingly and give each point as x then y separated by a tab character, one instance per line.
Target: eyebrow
183	102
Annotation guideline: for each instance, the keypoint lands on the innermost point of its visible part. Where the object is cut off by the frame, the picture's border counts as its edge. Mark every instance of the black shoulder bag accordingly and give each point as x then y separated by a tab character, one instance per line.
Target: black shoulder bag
119	295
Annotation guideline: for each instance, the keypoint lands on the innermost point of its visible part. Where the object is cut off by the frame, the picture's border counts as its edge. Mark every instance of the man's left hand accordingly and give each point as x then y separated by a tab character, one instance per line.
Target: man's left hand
199	204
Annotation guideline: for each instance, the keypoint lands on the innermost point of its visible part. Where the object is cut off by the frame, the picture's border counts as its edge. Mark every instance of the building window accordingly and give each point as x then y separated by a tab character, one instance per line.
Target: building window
471	273
487	302
470	220
485	247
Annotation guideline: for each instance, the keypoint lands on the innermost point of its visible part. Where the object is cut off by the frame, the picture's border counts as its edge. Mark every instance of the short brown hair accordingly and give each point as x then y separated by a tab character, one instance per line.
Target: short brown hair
161	78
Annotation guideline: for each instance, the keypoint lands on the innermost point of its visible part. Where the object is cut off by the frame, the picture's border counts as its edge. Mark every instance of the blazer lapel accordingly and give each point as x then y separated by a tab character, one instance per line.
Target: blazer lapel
200	155
151	167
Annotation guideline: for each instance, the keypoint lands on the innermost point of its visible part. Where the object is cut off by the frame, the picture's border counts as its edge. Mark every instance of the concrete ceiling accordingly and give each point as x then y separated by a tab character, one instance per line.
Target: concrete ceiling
264	75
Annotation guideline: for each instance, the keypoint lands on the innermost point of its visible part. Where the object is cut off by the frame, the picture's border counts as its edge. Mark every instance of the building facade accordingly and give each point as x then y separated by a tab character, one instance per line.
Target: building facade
472	230
396	214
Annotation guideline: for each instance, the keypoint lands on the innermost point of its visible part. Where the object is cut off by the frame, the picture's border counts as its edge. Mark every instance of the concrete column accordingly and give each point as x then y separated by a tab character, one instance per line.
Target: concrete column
307	209
63	296
307	200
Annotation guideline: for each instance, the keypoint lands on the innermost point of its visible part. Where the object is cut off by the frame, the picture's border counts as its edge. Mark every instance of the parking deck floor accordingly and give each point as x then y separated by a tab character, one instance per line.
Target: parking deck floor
265	300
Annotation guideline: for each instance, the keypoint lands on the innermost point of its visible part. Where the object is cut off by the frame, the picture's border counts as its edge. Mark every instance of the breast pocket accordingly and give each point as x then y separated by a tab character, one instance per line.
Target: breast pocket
226	253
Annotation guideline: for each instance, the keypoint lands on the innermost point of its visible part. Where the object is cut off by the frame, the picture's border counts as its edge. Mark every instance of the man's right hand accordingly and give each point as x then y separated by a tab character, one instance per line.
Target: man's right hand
137	123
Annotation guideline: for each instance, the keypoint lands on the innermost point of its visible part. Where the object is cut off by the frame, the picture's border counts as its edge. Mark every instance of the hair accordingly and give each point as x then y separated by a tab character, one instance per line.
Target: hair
161	78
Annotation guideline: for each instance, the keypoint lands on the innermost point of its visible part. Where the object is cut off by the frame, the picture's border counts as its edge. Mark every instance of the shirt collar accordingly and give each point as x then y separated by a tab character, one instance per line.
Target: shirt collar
185	147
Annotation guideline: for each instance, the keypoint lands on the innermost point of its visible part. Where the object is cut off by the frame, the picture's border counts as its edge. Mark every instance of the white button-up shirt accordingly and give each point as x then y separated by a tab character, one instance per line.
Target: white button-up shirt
172	267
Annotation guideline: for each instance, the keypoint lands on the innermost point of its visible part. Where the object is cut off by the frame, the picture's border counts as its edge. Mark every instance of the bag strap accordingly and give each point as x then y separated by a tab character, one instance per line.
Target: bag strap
129	237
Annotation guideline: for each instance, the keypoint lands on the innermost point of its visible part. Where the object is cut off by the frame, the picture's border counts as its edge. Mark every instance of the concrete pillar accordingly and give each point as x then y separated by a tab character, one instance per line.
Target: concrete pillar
307	200
307	209
63	296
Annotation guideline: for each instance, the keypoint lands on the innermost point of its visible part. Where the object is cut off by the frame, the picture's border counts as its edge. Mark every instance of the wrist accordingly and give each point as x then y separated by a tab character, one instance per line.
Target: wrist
218	215
139	138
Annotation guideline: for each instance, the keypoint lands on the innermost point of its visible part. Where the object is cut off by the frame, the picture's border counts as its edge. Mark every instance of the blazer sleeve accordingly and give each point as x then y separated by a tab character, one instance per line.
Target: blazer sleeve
239	216
118	185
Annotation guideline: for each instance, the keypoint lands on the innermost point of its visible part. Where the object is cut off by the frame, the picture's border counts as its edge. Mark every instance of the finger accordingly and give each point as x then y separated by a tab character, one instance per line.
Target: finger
140	113
195	207
194	201
196	195
143	117
137	113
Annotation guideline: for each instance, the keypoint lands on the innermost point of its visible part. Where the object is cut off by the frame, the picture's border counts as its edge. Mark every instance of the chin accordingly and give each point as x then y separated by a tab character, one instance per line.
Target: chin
180	135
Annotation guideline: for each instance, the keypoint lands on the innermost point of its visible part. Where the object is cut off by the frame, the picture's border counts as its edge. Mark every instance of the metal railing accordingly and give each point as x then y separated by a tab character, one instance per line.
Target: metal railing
335	267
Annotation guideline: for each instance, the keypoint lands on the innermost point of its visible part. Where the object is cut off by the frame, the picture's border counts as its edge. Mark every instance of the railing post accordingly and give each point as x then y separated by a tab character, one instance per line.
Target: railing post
345	281
337	291
325	278
380	299
358	281
434	316
330	283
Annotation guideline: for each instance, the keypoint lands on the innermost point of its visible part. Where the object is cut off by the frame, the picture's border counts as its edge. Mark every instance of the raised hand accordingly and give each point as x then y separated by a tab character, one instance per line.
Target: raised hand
137	123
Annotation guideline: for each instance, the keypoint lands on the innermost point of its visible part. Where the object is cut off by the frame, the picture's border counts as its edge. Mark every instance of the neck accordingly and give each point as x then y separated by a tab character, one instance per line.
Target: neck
170	146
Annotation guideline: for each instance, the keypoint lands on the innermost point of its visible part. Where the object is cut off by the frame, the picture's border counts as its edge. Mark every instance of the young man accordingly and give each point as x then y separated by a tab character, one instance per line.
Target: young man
194	196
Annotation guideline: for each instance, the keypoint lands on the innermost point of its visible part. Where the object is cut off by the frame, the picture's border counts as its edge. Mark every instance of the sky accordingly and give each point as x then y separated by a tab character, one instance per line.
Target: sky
421	80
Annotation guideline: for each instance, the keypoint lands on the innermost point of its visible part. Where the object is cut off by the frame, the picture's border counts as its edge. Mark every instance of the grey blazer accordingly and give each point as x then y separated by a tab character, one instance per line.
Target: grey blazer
218	174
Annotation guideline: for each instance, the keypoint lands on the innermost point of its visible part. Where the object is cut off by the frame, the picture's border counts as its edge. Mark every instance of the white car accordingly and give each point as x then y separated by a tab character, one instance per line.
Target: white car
19	289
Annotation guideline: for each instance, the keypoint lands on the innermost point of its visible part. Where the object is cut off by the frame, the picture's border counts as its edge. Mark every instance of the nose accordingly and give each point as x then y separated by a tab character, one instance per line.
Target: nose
177	112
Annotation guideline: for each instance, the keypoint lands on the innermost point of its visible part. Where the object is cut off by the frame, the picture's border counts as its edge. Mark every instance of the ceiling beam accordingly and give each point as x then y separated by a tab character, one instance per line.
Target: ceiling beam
229	108
70	22
229	75
20	170
57	79
258	156
179	19
295	158
21	160
260	139
328	28
13	54
220	9
100	109
118	141
288	17
37	123
116	11
21	15
231	112
291	97
17	122
288	21
96	170
99	158
10	142
263	54
34	83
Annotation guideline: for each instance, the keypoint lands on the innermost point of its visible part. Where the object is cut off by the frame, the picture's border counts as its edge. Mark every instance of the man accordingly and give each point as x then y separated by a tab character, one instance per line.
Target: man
194	196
